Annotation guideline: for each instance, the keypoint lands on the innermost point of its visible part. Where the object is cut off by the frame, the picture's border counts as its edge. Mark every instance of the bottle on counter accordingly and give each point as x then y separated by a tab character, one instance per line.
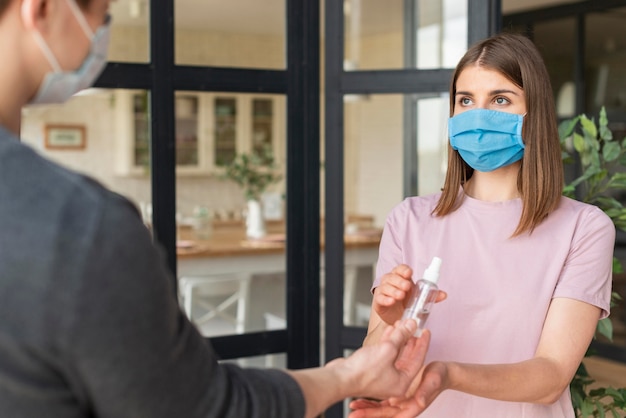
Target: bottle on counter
202	222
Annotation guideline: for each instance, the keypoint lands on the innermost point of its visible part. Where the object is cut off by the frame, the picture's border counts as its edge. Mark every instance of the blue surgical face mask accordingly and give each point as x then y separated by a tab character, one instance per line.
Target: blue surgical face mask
58	85
487	139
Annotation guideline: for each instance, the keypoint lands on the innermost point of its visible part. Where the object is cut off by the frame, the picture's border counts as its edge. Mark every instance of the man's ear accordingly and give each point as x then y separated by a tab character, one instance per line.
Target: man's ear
34	13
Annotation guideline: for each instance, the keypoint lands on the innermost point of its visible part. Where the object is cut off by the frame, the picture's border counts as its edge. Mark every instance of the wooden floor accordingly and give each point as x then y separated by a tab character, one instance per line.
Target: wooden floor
606	372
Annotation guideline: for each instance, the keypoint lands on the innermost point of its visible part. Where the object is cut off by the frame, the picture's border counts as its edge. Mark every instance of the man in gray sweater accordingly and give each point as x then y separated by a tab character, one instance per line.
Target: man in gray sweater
90	325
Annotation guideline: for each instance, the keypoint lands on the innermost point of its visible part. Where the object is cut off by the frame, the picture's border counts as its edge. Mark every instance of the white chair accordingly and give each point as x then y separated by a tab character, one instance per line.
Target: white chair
273	322
355	312
225	297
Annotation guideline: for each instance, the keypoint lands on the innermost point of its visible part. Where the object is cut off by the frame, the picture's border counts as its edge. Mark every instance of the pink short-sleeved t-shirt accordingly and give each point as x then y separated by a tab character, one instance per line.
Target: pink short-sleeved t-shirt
499	288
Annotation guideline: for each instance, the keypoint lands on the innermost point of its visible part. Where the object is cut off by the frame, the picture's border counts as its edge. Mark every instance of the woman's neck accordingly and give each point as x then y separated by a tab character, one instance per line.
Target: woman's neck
495	186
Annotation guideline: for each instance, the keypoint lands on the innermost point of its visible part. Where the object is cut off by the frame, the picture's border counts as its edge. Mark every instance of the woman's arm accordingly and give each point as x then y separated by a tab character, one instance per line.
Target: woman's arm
569	327
567	332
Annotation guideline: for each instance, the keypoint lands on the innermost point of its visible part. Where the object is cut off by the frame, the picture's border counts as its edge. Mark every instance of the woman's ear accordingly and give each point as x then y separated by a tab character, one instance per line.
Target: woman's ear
34	13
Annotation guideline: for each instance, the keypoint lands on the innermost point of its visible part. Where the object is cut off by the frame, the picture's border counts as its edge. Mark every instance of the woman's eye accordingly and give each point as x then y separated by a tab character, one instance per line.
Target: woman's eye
501	100
466	101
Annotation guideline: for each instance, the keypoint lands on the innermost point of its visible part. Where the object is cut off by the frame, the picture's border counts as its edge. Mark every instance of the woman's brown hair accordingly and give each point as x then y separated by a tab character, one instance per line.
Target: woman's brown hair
540	179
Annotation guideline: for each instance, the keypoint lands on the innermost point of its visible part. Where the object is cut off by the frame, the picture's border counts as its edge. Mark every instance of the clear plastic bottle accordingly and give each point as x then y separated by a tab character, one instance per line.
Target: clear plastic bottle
423	296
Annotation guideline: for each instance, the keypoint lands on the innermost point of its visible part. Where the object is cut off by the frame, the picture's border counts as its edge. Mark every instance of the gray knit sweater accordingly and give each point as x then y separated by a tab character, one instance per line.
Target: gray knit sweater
89	325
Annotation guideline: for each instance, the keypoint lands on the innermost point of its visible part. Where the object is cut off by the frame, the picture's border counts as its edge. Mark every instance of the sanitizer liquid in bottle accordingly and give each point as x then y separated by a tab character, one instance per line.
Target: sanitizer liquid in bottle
423	296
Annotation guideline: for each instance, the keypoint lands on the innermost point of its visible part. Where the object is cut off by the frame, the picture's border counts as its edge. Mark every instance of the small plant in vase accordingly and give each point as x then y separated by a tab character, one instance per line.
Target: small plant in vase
254	173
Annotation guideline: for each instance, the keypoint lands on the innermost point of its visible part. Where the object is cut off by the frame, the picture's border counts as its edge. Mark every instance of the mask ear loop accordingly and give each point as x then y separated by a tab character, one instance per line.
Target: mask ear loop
80	17
56	67
29	23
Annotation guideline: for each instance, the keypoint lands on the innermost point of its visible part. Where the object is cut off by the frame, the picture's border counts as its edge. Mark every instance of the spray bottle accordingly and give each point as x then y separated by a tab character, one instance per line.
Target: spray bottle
423	296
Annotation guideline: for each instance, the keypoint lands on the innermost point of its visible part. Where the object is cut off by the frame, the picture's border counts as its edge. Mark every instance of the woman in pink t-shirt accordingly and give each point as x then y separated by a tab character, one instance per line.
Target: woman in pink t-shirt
527	271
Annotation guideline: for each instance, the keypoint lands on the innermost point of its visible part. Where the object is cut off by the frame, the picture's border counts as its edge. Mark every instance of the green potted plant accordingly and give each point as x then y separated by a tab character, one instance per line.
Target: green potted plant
254	173
602	162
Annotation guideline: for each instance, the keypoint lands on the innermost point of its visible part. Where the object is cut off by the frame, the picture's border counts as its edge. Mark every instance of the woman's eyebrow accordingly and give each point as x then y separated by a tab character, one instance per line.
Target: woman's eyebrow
491	93
502	91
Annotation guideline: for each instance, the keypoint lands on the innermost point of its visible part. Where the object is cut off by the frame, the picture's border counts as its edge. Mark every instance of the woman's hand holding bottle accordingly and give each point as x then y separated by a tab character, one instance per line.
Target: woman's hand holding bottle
393	293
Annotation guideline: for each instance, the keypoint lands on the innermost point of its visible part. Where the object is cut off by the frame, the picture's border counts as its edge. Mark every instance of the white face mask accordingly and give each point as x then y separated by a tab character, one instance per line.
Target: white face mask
58	85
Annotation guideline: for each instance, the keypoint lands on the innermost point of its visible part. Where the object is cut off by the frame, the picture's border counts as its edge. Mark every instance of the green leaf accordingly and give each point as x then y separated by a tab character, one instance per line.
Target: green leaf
579	142
566	157
615	213
569	191
567	127
610	203
614	393
605	327
617	181
611	151
605	132
586	408
588	126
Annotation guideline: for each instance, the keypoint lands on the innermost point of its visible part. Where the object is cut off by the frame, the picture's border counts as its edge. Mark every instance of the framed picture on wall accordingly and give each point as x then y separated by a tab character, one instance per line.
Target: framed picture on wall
66	137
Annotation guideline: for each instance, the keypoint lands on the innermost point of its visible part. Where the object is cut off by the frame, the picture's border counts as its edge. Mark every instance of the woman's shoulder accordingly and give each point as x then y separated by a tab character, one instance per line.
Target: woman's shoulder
414	207
585	213
418	203
576	206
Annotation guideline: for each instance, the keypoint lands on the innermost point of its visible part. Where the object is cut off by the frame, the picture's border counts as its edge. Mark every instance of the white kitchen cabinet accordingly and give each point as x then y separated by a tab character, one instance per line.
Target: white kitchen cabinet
211	128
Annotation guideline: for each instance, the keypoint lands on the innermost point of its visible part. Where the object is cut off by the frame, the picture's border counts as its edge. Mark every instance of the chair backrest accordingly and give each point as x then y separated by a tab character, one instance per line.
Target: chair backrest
223	298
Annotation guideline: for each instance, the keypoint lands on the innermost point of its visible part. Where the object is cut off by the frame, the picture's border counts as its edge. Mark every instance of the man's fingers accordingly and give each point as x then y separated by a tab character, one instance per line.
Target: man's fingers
400	333
402	409
376	412
364	403
411	358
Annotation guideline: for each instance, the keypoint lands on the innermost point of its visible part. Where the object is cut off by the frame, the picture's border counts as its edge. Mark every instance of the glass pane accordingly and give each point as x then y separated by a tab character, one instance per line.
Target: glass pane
373	34
134	114
92	133
225	131
141	129
556	40
238	33
432	142
605	67
129	31
262	126
373	133
376	35
187	130
230	282
441	34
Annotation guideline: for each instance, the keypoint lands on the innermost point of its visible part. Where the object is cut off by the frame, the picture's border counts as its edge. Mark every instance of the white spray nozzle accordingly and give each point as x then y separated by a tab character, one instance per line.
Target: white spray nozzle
432	272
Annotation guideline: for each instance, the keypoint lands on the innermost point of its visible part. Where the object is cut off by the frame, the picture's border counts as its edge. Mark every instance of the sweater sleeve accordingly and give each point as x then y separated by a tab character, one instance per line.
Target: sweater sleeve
133	353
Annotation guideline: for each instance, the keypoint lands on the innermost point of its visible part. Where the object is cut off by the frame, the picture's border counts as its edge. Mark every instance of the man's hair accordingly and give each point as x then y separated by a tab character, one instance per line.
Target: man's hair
540	180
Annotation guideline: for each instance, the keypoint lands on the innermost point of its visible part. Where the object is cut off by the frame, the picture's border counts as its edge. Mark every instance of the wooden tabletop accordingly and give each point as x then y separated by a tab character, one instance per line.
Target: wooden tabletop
231	241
